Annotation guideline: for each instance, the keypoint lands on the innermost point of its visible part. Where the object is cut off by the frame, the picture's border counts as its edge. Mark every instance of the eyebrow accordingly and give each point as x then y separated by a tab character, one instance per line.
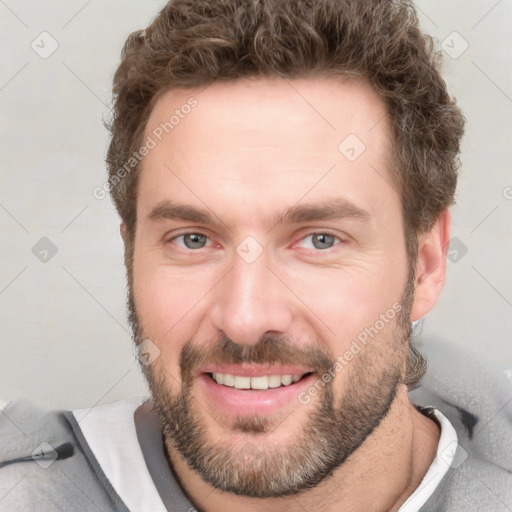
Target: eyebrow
329	210
167	210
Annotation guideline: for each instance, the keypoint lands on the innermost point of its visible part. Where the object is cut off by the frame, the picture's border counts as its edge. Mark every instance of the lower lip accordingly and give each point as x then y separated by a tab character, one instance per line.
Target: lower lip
252	402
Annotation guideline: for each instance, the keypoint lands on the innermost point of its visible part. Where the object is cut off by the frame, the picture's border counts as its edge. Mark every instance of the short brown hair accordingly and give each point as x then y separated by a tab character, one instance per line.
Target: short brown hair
192	43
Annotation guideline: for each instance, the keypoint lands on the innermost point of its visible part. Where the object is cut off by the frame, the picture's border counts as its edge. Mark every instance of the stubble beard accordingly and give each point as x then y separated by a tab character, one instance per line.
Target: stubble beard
330	435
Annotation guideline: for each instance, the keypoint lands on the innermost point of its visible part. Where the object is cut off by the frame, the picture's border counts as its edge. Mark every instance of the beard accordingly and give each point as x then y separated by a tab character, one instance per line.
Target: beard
331	432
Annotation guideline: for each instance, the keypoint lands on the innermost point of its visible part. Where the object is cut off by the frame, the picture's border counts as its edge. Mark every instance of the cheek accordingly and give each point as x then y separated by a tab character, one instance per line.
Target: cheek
343	302
168	305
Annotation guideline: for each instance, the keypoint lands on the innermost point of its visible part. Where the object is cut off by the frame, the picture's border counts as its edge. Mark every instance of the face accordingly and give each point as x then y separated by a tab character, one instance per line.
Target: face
270	272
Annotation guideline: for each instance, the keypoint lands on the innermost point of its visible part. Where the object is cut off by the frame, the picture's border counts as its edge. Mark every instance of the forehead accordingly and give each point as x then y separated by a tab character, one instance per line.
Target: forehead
266	140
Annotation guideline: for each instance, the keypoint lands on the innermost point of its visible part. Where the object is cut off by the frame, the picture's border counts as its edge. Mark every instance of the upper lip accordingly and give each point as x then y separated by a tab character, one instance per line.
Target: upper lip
251	370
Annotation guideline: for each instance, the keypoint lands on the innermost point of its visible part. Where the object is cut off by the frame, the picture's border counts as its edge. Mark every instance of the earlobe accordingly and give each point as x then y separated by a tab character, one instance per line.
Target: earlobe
431	266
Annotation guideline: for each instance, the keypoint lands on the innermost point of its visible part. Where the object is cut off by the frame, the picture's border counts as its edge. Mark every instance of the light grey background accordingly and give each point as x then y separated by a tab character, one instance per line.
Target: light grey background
64	337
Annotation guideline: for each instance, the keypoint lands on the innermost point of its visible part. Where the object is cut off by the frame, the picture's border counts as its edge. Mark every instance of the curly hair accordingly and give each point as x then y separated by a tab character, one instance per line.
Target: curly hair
192	43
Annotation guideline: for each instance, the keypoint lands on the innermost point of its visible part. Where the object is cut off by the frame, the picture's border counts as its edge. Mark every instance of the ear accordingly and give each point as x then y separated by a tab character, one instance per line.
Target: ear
124	231
431	266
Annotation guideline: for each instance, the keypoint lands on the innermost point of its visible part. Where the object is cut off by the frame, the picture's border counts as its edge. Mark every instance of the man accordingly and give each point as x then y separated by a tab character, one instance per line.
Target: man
283	172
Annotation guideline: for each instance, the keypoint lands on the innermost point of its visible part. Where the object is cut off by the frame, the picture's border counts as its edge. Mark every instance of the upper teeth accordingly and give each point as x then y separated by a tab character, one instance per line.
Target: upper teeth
263	382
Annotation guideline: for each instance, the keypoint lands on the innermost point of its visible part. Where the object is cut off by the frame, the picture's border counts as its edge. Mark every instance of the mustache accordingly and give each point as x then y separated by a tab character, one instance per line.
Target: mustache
270	349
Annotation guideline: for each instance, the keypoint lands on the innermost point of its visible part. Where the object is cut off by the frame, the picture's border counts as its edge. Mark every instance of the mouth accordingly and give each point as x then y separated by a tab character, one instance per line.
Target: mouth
241	390
262	382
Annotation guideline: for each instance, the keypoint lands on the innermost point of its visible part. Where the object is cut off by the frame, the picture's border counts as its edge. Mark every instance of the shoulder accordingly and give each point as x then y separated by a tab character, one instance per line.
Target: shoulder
42	466
477	400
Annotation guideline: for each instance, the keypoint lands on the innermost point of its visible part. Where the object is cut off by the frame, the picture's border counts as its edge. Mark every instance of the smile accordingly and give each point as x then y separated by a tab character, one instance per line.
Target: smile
247	390
260	382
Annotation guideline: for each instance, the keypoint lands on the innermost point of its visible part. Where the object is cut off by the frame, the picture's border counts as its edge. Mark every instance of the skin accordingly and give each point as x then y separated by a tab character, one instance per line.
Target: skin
249	151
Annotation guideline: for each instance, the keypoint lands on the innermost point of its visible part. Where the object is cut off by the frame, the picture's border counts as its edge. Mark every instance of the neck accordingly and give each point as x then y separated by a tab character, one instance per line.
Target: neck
379	477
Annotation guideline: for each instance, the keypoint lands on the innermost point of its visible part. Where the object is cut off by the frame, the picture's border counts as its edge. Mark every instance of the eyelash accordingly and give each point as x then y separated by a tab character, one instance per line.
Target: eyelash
189	233
327	233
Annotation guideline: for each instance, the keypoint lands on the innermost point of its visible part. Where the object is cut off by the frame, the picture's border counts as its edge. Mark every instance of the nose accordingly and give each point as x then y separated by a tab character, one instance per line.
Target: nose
251	301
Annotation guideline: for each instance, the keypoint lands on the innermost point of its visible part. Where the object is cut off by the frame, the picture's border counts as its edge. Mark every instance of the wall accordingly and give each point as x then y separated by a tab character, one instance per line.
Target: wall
65	340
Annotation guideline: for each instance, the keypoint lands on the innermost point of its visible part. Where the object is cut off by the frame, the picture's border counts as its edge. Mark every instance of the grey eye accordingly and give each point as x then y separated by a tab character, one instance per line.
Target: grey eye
194	240
323	240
